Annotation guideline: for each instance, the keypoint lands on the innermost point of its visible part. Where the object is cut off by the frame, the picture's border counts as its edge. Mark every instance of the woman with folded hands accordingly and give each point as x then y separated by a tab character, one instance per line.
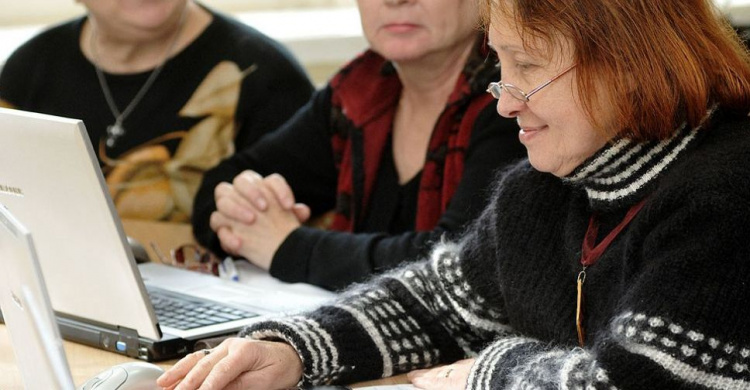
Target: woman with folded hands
401	145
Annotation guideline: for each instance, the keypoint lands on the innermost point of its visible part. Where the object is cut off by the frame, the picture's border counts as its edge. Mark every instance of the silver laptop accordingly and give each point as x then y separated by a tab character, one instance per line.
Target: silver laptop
28	315
51	181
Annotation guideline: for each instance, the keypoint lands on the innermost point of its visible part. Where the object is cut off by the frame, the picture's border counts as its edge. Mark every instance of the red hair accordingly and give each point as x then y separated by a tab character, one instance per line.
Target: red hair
655	63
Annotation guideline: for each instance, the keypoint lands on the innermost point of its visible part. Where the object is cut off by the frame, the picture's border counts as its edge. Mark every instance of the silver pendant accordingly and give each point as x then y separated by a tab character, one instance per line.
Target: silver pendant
114	132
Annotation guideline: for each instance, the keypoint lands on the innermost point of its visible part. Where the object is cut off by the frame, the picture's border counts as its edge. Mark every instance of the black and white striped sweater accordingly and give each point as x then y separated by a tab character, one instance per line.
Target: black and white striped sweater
667	305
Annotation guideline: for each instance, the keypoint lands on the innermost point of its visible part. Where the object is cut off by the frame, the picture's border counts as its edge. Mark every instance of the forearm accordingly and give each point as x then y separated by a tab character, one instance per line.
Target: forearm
414	317
334	260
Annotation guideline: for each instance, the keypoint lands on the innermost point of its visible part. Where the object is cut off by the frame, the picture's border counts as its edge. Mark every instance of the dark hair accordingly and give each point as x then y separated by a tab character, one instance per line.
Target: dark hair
656	63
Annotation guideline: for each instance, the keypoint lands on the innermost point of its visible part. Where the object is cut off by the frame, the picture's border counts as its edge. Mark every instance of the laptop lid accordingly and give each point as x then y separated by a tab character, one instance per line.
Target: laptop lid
50	180
27	311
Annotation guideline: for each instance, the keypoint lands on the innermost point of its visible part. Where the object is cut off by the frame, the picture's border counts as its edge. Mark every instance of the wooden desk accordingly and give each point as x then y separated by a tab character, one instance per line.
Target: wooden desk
85	361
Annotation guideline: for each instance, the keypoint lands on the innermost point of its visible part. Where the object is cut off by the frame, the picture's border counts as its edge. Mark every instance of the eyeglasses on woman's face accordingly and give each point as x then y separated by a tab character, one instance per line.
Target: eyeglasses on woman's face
496	88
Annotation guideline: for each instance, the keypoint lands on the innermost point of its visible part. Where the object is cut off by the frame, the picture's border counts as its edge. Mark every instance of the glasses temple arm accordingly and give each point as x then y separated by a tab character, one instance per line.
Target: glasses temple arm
548	82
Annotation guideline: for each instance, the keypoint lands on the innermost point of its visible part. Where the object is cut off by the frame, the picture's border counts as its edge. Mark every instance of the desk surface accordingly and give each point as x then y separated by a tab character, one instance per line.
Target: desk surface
86	361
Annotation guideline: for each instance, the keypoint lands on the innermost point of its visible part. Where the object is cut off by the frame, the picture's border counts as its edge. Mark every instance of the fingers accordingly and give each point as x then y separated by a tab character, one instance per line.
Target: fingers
218	220
236	364
247	365
233	205
439	378
250	193
249	184
210	371
426	379
221	372
230	242
280	188
267	193
417	374
453	376
174	375
196	377
302	212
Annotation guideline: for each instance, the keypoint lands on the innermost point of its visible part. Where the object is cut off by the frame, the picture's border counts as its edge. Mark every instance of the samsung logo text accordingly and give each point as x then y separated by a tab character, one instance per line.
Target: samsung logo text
10	190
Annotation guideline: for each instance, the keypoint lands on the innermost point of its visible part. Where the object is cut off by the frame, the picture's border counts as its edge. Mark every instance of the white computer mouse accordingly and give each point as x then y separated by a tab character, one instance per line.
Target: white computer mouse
126	376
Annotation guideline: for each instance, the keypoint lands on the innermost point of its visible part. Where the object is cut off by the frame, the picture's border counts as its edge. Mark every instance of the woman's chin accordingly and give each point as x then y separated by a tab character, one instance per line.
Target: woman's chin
559	170
402	50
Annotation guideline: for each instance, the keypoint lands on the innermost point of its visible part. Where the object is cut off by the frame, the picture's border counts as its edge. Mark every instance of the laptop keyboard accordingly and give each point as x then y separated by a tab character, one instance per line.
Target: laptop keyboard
185	313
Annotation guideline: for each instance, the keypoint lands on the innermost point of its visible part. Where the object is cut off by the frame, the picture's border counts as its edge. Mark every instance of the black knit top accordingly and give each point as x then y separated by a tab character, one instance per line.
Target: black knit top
666	304
225	90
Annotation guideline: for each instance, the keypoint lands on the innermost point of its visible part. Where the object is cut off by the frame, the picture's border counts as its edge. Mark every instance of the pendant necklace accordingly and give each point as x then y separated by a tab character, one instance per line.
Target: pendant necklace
116	130
590	254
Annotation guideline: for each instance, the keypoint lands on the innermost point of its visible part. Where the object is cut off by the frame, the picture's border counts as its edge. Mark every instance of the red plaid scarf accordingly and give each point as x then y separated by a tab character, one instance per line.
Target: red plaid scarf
365	97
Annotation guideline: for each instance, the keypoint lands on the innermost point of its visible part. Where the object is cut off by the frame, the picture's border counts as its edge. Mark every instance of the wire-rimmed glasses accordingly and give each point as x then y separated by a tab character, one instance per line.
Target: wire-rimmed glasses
195	258
496	88
190	257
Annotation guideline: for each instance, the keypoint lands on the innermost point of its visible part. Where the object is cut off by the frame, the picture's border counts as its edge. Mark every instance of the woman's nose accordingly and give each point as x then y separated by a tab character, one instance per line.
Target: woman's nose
508	106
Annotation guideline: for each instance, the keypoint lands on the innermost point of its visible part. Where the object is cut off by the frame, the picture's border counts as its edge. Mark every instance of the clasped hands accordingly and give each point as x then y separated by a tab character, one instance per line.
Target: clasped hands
254	215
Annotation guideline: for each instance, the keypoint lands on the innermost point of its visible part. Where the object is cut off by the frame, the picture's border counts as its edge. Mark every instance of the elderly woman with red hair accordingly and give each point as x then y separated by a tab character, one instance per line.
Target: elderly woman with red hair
615	257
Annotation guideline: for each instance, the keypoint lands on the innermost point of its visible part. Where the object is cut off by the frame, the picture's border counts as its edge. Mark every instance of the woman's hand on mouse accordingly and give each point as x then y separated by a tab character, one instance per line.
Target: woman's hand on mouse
237	363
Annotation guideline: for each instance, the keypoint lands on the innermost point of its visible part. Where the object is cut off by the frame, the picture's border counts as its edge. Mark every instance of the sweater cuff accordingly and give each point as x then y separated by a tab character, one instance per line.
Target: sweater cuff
488	369
313	345
291	261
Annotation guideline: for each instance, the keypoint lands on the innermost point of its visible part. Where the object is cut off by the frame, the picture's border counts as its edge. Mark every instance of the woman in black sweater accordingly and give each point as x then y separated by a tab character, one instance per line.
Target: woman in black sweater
616	257
166	89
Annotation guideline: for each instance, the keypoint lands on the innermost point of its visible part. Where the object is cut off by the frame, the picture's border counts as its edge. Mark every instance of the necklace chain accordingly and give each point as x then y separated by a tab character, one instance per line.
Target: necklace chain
116	130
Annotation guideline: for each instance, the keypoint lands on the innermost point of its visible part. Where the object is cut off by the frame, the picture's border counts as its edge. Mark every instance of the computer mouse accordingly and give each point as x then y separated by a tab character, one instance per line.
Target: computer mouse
126	376
139	252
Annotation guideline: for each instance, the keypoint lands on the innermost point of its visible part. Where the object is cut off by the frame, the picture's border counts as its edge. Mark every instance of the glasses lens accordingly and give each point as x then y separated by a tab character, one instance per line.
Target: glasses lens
178	255
205	257
187	254
515	92
195	258
495	90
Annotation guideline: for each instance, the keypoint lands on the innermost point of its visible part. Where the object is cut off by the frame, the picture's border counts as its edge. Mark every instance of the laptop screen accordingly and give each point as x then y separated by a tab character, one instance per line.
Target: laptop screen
51	181
27	312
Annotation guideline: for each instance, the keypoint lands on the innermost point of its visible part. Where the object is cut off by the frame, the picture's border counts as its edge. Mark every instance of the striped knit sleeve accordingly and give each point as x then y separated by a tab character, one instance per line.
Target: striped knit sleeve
414	317
680	356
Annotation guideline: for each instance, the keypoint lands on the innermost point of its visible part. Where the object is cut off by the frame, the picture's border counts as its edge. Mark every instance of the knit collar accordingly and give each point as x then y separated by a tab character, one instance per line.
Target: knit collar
624	171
